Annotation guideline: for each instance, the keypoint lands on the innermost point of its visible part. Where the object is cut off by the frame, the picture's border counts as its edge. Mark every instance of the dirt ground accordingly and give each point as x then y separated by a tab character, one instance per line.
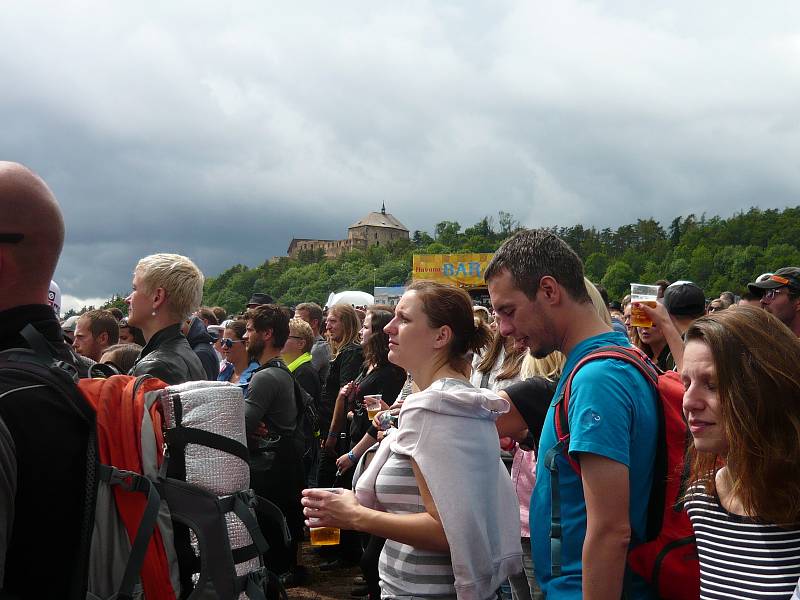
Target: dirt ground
325	585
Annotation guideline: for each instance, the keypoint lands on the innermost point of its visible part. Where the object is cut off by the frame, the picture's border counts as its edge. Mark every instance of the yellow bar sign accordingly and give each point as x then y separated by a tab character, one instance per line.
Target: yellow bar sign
462	270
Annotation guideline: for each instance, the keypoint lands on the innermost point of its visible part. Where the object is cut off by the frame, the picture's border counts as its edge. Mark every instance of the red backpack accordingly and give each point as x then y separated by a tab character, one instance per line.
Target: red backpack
668	559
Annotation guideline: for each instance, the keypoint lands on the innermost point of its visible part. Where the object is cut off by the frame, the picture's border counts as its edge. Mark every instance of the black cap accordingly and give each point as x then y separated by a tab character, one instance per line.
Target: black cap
787	276
684	298
258	299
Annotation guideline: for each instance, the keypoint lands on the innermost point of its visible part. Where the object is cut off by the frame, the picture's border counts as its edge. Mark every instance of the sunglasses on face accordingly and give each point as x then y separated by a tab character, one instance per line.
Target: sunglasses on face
770	295
228	342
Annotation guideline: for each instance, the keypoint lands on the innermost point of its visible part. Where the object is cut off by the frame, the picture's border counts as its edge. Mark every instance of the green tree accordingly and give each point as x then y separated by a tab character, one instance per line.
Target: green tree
116	302
507	223
618	279
596	266
447	233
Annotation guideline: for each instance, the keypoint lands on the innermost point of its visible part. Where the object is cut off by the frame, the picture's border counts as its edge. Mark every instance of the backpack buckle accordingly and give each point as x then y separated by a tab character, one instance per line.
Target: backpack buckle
67	368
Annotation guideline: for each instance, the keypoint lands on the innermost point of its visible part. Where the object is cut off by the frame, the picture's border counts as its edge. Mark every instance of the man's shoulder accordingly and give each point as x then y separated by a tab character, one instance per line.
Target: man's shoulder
270	374
609	371
320	345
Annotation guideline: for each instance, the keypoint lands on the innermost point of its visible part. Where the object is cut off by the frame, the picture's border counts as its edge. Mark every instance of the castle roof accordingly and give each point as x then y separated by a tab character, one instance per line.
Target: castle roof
379	219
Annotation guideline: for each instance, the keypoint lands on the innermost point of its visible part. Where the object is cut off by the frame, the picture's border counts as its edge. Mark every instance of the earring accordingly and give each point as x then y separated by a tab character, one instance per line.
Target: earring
153	313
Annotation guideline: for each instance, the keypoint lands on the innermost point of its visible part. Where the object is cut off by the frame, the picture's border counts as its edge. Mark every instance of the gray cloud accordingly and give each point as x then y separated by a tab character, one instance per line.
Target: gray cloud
221	132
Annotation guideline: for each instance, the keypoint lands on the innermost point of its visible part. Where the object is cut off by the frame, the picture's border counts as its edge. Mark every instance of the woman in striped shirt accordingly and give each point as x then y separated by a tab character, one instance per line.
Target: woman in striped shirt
741	373
436	488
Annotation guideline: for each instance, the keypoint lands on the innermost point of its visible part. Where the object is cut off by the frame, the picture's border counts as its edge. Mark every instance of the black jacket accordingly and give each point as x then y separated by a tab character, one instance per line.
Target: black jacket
201	343
344	369
169	357
43	442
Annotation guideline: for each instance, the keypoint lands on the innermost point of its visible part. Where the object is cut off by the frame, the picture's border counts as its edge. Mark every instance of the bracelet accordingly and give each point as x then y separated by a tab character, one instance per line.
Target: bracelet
333	434
352	457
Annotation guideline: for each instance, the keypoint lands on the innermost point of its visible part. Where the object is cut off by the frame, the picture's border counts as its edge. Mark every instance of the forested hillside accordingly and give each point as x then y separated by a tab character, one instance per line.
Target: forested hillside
719	254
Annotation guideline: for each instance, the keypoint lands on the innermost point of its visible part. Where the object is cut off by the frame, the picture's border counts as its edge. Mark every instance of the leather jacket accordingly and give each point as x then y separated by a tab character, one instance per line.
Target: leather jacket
169	357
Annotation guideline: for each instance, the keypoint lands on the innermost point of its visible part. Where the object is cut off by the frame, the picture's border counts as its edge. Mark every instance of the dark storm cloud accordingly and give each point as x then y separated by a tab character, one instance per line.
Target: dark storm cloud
222	131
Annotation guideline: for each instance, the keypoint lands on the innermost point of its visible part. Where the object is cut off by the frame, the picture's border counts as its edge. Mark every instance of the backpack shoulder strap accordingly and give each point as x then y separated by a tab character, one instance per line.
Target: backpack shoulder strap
631	356
299	392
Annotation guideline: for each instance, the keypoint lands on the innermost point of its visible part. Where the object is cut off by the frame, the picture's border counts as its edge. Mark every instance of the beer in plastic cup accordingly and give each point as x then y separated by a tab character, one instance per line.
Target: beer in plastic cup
373	405
643	294
325	536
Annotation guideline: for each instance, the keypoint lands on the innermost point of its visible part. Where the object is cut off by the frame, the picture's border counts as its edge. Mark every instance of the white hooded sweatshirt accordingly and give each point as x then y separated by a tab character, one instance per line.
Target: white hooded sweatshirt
449	430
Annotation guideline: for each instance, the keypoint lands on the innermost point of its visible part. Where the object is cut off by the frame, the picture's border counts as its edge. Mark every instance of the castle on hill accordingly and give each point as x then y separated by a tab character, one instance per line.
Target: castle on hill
373	230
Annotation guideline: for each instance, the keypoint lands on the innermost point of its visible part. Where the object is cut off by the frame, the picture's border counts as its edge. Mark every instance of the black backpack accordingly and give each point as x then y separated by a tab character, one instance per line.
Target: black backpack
307	412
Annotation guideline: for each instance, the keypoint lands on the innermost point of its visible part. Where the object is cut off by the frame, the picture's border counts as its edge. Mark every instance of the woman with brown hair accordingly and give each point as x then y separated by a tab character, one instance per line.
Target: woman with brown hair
239	365
742	403
499	365
377	376
342	326
652	342
444	454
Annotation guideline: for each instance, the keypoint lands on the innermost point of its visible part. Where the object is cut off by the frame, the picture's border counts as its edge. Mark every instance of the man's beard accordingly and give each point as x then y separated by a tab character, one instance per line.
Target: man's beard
255	348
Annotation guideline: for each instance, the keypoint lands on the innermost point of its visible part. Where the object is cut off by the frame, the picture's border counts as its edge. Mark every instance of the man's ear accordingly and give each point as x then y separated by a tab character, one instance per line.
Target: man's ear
550	290
102	339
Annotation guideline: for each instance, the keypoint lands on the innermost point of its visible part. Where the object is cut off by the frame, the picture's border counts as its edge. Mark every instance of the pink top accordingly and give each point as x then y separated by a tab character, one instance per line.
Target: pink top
523	476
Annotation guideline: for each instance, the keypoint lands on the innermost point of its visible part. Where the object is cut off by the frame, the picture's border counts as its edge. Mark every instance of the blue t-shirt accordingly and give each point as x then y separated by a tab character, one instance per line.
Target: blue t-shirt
612	413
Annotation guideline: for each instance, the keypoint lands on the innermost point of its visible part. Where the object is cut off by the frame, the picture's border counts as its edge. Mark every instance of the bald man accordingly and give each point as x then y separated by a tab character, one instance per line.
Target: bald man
43	433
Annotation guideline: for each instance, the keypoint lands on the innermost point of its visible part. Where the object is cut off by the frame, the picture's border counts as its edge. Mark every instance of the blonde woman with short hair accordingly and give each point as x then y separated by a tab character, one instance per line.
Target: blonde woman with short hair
166	289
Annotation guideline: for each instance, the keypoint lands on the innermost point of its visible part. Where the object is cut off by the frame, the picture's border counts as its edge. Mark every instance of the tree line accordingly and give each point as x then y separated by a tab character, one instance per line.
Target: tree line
718	254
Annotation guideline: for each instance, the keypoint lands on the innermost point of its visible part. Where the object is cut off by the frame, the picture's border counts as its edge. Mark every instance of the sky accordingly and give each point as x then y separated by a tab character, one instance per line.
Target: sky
222	130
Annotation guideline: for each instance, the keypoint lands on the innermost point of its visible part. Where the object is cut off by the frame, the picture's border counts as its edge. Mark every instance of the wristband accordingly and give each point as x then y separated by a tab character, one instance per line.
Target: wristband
333	434
352	457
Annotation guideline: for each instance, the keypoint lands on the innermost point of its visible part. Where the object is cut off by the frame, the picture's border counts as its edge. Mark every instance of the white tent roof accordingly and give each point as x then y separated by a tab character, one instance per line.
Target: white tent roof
354	298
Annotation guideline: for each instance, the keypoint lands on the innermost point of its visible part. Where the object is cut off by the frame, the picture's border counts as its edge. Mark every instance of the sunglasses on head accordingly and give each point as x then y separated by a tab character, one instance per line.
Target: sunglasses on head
228	342
123	322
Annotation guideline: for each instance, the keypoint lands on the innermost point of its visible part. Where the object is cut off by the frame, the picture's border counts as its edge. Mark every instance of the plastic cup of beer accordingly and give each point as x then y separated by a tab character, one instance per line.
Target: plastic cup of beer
325	536
373	405
643	294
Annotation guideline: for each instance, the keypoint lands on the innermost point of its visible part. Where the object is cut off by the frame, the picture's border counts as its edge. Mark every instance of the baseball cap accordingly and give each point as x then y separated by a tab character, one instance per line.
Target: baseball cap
787	276
215	331
684	298
68	328
258	299
69	324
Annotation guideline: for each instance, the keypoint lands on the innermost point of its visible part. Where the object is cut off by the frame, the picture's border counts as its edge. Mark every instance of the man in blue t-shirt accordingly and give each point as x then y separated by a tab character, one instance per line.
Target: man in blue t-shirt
538	292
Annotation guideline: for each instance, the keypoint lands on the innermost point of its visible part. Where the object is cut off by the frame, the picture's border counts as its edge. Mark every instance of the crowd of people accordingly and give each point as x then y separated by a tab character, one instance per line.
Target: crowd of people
456	487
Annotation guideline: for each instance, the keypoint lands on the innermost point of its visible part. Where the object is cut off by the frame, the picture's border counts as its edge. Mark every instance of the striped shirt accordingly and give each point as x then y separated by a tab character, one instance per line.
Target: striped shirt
740	557
405	571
